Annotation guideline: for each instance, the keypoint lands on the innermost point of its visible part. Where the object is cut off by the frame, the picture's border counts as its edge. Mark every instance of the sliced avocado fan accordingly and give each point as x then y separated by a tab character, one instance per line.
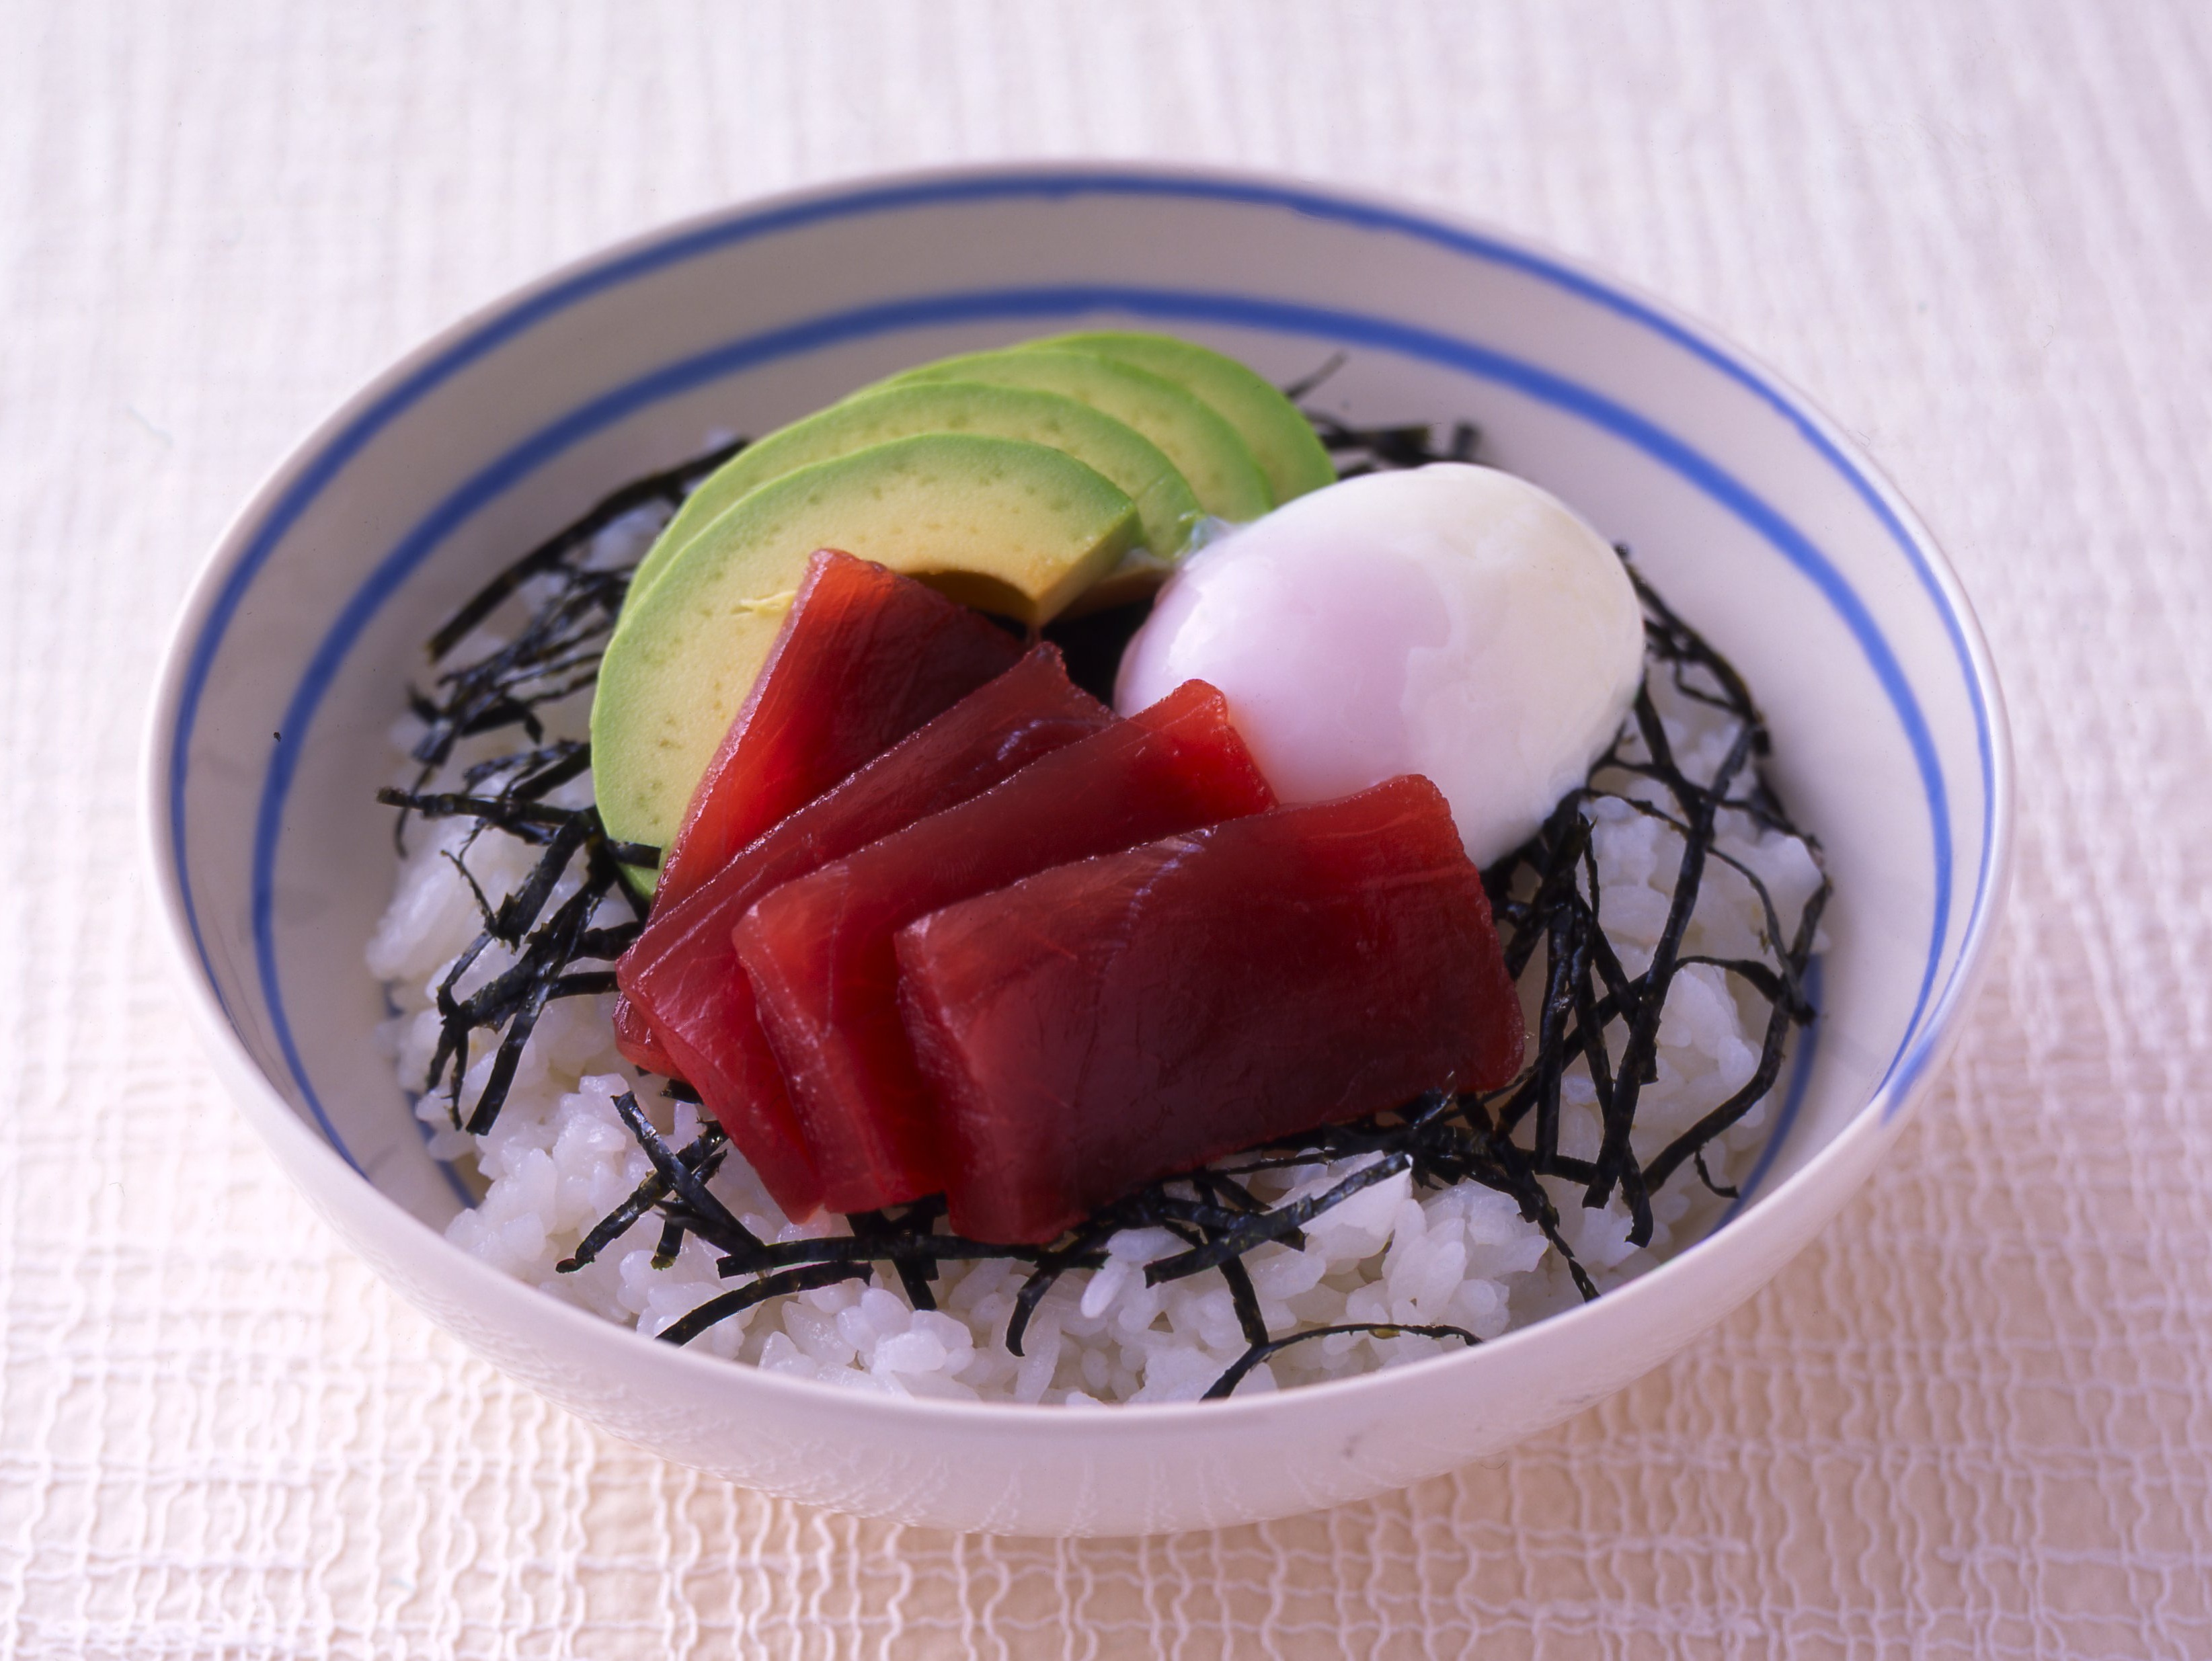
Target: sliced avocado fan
1010	527
1204	447
1167	509
1281	440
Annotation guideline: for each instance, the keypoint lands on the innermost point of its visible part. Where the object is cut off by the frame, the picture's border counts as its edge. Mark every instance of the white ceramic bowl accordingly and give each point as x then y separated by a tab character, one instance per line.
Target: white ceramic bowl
1759	520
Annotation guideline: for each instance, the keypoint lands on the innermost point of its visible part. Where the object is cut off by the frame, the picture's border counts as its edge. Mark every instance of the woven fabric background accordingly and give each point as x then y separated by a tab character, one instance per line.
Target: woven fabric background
1975	1419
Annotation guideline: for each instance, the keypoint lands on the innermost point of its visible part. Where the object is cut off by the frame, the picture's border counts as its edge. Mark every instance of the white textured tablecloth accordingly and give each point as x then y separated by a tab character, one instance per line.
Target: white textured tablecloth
1975	1419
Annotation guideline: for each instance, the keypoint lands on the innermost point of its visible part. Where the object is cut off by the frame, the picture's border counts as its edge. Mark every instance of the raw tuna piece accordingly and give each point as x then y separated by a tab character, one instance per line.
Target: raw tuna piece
683	973
866	656
819	952
1104	1024
633	1037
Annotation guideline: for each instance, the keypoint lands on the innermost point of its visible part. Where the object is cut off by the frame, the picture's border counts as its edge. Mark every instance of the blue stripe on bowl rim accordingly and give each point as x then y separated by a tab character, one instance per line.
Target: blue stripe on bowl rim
1055	302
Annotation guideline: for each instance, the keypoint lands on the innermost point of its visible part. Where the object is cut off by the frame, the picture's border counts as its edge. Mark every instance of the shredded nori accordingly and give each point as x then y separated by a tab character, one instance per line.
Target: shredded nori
1545	896
1359	450
572	604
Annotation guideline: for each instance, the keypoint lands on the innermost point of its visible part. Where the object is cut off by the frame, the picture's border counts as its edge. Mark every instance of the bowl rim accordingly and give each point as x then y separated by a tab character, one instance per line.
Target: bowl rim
324	449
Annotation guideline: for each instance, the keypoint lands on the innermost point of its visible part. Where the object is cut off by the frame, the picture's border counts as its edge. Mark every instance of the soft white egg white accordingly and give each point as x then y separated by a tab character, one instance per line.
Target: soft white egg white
1450	619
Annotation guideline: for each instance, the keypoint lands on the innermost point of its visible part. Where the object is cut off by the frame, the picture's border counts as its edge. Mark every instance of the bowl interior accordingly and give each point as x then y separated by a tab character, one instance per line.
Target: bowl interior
1759	524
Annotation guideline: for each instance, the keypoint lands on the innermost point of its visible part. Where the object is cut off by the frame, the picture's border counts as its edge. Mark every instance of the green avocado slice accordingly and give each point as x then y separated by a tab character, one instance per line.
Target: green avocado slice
1011	527
1280	439
1167	509
1204	447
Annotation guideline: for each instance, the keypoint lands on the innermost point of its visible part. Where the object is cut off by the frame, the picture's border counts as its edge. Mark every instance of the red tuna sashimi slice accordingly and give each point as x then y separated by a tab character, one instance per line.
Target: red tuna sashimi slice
634	1038
865	656
683	973
819	952
1104	1023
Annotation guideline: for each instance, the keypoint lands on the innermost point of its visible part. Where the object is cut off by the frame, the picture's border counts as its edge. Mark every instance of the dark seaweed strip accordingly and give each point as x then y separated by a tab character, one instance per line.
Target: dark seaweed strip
1226	1384
531	986
1245	1298
542	971
1363	449
1161	1207
1682	648
1222	1188
556	656
484	912
1726	1190
1511	1171
1566	972
1639	1060
672	1243
1770	916
1417	1119
1785	1012
1358	450
531	773
1763	980
914	1273
609	943
1086	1250
1455	1139
722	1306
454	1025
502	999
592	983
1154	1206
1270	1226
516	815
556	653
1638	1003
605	861
893	1246
519	910
527	822
1545	896
706	1216
1298	389
1617	1110
671	487
703	1154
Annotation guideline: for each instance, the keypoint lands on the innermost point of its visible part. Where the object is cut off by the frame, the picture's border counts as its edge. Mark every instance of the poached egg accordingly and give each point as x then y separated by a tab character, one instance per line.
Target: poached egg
1450	619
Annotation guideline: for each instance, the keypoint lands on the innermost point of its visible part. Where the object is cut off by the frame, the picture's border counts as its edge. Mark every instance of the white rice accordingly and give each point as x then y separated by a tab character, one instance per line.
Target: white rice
558	1158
